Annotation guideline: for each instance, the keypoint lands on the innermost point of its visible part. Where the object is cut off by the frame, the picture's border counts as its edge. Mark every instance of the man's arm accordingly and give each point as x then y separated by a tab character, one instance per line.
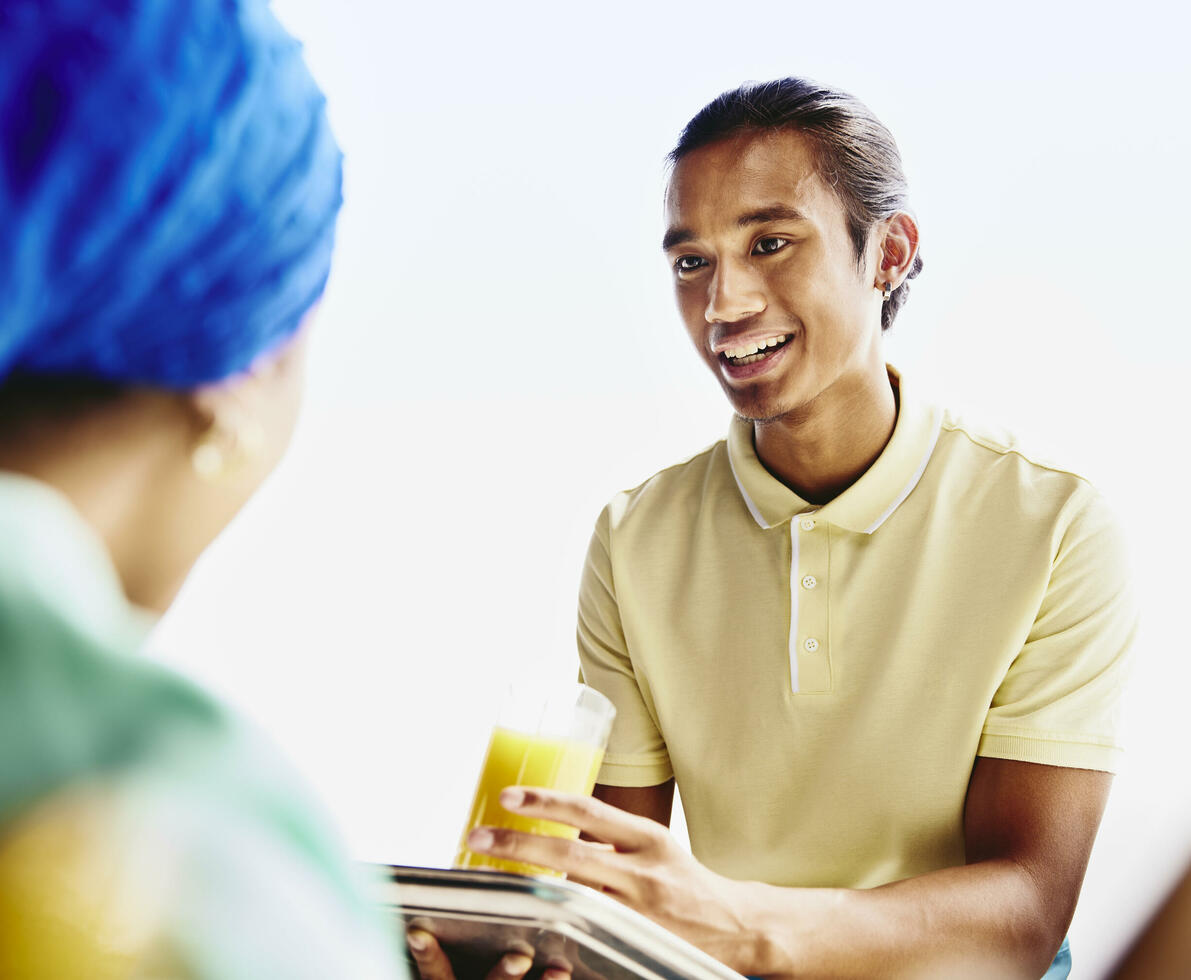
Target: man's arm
654	802
1028	829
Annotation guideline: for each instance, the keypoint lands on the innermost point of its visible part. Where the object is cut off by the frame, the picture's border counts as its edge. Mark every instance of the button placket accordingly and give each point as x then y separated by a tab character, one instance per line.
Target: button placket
810	645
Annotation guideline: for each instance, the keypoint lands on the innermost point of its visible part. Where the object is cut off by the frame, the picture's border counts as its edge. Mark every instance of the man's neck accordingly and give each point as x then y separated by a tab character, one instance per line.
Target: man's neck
826	446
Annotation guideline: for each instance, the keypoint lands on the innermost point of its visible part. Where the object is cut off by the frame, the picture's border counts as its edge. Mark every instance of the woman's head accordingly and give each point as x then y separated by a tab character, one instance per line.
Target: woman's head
169	187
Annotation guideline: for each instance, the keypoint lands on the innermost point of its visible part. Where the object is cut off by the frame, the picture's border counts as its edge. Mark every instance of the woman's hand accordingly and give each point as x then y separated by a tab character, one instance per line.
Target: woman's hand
433	963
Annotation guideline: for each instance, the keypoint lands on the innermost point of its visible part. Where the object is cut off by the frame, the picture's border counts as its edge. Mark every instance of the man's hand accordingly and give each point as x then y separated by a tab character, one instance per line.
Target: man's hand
433	963
1028	831
634	860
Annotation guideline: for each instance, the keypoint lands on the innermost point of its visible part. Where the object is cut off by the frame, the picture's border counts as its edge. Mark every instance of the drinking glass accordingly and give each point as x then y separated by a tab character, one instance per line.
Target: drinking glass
553	737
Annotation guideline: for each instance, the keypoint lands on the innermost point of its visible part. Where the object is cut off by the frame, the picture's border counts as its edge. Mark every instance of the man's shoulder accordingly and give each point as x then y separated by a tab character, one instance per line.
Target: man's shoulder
988	446
997	472
681	488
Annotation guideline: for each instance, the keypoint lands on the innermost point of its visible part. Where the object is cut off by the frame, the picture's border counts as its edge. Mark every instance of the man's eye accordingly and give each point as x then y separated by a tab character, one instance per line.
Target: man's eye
767	246
688	263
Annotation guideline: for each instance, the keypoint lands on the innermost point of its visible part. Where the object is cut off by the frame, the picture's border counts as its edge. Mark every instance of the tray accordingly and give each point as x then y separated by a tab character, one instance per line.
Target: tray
477	915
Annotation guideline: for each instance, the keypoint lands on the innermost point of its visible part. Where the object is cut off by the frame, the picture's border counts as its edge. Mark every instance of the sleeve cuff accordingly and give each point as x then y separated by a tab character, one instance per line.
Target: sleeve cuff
635	770
1103	756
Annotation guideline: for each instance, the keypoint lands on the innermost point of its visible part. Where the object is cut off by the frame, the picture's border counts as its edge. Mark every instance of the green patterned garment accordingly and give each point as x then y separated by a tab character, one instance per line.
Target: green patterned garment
144	830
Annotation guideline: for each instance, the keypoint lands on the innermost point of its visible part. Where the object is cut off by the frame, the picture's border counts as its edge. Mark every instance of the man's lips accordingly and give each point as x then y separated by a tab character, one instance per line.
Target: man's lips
739	348
741	360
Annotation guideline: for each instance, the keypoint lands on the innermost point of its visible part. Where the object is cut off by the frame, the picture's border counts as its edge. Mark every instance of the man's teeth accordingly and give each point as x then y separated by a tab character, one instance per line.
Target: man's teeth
751	351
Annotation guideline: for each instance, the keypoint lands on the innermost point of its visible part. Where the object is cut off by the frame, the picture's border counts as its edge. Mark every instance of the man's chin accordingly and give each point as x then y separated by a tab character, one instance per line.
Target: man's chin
755	409
767	403
768	411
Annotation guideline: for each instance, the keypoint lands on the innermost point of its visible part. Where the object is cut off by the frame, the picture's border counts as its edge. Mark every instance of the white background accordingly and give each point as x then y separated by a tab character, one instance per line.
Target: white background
498	353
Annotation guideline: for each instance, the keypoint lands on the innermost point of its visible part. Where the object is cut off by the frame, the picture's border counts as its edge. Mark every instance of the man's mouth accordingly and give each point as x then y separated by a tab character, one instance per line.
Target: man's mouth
754	350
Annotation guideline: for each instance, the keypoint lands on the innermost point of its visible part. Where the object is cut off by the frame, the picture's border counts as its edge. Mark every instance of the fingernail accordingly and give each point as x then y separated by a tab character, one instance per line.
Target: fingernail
512	798
516	964
480	839
417	940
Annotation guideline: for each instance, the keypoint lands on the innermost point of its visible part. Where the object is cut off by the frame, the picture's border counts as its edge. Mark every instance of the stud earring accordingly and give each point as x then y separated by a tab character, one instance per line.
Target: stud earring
208	458
228	444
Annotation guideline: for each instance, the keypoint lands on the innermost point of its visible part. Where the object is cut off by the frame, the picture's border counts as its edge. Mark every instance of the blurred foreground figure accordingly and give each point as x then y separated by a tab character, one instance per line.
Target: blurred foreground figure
168	194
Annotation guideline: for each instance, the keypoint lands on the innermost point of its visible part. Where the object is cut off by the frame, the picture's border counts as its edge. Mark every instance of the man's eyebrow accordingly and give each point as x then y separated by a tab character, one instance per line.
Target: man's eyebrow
771	212
676	236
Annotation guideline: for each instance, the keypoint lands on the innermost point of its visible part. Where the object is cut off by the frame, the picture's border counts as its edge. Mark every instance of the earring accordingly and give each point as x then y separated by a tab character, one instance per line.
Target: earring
229	443
886	292
207	458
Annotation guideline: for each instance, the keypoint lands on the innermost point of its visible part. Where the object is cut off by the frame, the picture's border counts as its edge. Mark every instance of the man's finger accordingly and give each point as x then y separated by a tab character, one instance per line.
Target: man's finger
624	831
592	864
428	954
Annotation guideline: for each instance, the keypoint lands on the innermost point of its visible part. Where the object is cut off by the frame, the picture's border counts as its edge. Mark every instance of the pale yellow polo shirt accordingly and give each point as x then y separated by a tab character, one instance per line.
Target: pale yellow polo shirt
819	680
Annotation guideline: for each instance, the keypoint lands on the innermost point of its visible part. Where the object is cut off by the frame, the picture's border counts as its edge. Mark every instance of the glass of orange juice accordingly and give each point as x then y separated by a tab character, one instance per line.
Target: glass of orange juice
552	737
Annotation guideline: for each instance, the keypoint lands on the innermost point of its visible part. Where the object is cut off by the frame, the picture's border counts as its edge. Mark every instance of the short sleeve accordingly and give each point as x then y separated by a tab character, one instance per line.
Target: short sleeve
636	753
1059	703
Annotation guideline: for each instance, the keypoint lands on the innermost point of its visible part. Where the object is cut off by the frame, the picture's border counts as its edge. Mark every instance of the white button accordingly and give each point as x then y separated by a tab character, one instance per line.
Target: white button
811	644
807	524
809	581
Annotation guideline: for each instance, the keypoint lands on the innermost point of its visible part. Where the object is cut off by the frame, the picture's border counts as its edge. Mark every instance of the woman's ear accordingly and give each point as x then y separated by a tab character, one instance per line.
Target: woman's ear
228	439
243	423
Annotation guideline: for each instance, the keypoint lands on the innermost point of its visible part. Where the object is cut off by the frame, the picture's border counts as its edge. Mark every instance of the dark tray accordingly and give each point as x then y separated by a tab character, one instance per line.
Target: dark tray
477	915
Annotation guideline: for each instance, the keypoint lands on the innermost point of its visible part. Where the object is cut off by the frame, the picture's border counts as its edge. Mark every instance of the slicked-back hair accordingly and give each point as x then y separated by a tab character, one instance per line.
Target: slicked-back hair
855	154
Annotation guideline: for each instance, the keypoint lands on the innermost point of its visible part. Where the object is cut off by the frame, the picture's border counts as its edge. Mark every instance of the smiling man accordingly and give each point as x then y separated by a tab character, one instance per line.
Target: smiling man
879	649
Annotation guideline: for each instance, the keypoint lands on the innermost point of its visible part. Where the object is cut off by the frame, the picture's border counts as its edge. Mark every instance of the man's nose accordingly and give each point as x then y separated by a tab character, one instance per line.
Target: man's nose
735	293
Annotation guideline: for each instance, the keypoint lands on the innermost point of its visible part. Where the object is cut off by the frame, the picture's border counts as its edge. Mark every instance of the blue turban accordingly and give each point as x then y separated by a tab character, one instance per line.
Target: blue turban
168	188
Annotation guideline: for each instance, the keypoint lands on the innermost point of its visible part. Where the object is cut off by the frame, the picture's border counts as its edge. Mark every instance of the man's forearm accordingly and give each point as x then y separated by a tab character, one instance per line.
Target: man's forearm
1028	831
982	920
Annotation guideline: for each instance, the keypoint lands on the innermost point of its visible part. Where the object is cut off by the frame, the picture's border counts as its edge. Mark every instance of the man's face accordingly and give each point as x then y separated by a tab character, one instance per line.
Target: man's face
766	276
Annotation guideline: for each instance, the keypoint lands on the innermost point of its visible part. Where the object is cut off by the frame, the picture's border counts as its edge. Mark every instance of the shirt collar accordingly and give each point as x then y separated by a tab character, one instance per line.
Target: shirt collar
865	505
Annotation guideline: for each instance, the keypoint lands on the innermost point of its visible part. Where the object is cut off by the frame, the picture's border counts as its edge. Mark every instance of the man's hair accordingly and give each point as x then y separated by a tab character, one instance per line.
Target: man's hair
855	154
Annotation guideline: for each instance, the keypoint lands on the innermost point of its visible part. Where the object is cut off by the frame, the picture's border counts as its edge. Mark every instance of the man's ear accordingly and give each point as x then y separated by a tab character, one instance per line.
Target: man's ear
896	248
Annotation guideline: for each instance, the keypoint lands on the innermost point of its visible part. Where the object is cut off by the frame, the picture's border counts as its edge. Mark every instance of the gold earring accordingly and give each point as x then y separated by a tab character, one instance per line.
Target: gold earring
231	441
207	457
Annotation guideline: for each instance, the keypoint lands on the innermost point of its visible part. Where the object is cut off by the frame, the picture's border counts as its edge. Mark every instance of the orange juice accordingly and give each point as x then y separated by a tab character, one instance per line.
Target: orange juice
516	759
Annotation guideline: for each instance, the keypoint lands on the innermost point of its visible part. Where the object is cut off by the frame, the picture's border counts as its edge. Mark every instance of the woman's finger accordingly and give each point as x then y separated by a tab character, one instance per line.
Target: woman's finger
428	955
511	966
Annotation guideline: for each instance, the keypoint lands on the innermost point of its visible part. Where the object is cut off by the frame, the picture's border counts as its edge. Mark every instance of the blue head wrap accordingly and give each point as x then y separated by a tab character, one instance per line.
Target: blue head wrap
168	188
